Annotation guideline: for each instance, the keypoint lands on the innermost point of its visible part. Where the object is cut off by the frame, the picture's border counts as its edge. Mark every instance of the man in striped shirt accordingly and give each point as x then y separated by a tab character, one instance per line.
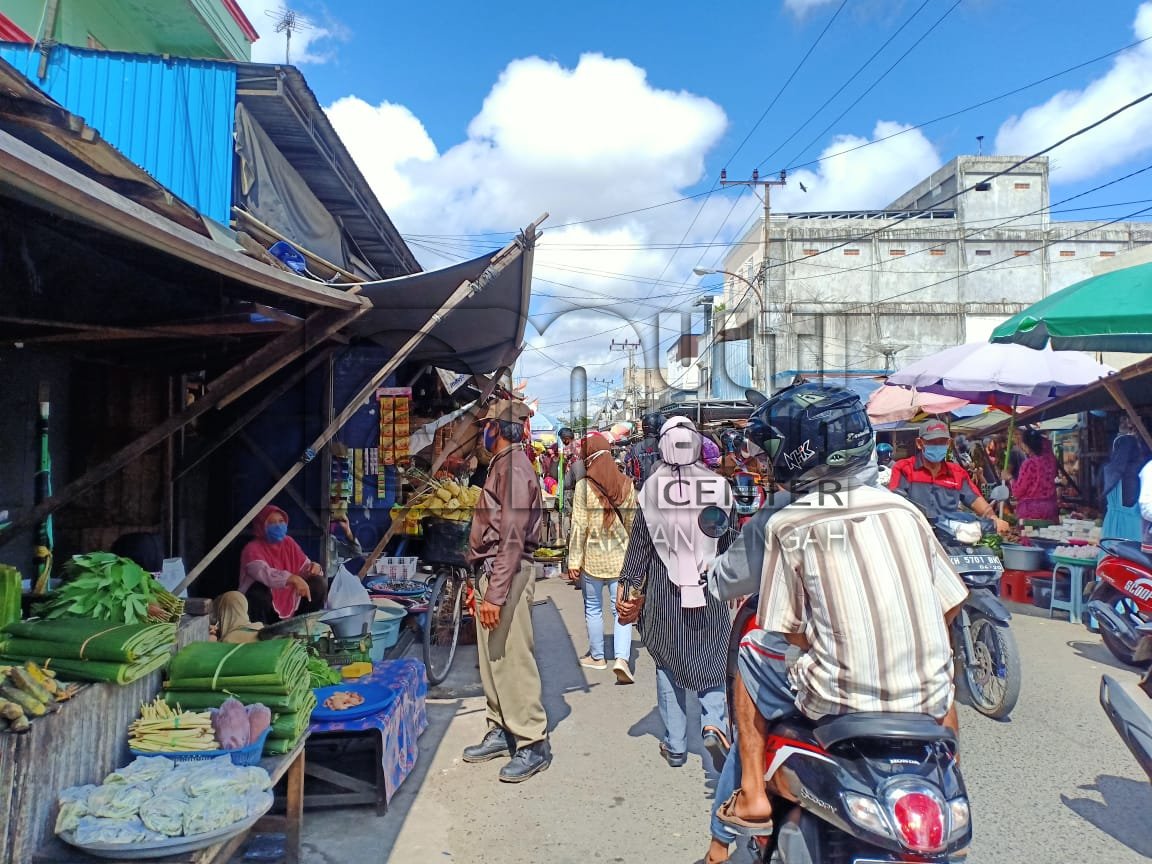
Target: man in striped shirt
856	596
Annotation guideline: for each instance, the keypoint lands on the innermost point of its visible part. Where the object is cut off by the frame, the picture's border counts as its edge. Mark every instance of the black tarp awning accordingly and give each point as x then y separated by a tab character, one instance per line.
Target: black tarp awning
483	334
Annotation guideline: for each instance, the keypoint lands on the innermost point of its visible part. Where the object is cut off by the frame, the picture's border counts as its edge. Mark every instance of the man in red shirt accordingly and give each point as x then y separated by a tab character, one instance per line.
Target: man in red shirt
934	484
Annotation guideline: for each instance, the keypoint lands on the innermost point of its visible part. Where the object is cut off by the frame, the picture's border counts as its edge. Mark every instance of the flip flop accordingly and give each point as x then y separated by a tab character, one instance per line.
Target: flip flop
727	815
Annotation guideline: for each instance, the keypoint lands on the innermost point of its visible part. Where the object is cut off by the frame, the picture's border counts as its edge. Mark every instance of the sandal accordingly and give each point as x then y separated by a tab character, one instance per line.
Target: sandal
727	814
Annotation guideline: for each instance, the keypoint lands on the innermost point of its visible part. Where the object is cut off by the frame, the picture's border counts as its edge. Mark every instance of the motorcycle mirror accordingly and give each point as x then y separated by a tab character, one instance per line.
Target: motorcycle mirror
714	522
755	397
999	493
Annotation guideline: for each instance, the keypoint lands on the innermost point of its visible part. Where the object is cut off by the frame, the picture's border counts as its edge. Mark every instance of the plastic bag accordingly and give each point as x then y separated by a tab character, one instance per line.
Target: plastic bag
346	590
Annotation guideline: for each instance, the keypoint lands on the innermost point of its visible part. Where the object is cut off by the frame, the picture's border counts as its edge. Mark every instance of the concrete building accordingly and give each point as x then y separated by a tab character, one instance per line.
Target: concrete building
866	292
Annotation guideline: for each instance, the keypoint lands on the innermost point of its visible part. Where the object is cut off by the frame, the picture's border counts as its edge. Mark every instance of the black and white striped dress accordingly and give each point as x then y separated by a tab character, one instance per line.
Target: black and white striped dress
690	644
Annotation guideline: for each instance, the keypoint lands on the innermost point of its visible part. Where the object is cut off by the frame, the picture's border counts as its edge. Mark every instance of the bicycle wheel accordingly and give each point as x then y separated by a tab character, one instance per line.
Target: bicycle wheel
442	624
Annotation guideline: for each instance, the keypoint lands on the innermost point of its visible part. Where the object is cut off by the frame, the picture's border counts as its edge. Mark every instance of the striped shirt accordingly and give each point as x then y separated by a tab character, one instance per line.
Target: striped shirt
867	584
597	550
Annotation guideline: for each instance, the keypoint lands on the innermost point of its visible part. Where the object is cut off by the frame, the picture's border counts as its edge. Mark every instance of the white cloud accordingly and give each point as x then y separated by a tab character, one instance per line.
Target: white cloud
803	7
1112	144
308	45
865	179
583	143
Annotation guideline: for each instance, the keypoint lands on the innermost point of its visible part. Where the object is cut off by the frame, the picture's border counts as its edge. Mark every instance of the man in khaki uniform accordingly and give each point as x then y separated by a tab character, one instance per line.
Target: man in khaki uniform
505	533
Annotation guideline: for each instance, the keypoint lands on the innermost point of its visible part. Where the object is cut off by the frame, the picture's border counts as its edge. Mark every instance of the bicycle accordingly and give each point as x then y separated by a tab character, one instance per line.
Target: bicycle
449	591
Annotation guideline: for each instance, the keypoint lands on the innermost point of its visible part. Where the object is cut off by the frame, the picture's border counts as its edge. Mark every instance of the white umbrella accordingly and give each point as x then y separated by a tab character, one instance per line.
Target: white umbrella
1001	374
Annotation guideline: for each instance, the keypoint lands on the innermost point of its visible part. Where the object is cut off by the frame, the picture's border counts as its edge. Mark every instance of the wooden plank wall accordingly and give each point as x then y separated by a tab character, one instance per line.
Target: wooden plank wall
81	743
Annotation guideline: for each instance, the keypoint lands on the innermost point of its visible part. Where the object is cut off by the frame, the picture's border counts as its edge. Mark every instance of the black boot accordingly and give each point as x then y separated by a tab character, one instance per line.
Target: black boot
528	761
496	743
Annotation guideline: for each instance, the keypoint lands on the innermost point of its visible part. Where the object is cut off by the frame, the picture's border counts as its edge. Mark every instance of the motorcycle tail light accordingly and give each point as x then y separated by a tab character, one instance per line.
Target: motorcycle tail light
867	813
960	817
920	819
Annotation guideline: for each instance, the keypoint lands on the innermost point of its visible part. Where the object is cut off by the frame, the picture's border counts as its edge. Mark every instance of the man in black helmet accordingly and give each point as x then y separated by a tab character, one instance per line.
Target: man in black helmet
644	455
856	597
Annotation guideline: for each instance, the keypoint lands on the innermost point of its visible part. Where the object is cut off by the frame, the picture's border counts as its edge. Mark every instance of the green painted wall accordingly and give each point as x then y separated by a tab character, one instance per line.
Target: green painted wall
184	28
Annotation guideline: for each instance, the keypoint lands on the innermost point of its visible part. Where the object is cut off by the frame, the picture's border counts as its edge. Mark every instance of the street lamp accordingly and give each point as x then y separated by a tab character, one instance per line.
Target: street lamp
704	271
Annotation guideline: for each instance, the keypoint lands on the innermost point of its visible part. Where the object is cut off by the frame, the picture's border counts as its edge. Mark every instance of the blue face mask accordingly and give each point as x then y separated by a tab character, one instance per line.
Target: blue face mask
275	533
935	452
490	436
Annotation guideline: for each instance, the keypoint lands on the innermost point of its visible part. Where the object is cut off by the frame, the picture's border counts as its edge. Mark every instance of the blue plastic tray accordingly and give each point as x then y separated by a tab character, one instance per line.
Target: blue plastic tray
377	697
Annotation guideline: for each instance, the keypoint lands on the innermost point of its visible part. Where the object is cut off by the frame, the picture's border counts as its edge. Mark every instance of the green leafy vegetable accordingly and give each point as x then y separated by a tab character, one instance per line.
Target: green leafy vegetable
106	587
321	673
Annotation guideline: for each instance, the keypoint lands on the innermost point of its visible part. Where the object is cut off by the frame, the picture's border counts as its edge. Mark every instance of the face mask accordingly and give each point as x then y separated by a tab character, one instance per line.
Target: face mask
935	452
490	436
275	533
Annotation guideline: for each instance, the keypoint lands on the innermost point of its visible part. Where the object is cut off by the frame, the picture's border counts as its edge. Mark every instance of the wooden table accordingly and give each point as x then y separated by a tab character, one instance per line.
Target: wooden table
289	767
353	790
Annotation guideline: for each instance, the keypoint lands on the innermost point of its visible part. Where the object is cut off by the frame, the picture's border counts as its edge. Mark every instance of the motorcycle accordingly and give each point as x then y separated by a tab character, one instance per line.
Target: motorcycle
749	494
1121	599
864	787
1133	724
988	670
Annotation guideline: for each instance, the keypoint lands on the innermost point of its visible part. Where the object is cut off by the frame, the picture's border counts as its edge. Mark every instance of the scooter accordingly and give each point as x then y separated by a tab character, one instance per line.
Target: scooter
1133	724
1121	599
858	788
988	670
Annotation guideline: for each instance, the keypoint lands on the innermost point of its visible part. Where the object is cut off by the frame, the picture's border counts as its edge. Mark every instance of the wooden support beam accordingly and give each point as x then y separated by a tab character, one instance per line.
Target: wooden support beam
237	380
255	411
465	290
1116	390
274	471
256	227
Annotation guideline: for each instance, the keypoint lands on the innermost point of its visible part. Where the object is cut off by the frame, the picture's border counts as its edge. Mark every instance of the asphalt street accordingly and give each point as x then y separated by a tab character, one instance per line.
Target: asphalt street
1054	784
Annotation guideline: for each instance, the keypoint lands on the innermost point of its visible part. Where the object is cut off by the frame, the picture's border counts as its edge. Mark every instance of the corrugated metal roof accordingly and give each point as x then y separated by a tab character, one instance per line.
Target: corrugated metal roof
731	372
172	117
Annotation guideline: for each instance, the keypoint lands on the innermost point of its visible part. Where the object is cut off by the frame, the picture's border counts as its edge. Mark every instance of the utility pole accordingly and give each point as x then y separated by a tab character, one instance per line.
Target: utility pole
606	408
630	348
762	188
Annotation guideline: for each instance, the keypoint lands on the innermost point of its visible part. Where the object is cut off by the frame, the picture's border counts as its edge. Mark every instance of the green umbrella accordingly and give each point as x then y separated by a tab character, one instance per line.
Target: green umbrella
1110	312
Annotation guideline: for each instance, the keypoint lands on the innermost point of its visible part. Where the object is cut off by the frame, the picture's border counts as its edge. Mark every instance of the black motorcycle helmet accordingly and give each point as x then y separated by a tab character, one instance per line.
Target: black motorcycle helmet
731	441
811	431
651	424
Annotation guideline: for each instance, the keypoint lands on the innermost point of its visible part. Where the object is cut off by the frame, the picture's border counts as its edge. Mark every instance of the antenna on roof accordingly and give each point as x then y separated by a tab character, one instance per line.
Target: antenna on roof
288	22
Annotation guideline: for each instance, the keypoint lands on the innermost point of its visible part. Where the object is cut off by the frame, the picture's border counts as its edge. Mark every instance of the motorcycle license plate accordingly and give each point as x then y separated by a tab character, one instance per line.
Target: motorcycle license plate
976	562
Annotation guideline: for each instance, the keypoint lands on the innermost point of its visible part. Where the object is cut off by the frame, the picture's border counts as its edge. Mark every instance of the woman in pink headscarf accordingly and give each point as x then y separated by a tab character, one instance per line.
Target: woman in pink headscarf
275	575
684	627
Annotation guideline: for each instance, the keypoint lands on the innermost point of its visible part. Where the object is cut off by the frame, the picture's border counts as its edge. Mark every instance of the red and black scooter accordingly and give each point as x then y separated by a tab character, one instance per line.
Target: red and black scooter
865	787
1121	599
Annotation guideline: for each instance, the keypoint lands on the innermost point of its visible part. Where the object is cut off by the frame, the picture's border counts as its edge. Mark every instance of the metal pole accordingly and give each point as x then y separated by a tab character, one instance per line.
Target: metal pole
759	328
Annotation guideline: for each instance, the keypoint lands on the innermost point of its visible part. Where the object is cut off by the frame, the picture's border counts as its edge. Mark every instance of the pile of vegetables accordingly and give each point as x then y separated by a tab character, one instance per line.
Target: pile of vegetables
154	798
162	729
106	587
320	673
26	692
445	499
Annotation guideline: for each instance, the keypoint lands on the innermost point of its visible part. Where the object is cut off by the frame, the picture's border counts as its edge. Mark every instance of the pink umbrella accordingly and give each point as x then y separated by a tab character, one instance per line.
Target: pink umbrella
891	404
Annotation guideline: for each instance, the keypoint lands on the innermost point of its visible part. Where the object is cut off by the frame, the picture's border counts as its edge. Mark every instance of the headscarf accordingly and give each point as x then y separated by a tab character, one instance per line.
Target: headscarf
285	555
1128	456
672	499
710	451
603	475
233	623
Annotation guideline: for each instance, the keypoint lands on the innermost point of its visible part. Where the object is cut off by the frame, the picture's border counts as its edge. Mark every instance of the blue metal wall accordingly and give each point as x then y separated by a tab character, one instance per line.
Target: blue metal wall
172	117
731	373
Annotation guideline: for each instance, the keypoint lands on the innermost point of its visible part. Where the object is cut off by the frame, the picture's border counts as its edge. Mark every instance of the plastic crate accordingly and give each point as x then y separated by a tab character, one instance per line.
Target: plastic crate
243	757
397	569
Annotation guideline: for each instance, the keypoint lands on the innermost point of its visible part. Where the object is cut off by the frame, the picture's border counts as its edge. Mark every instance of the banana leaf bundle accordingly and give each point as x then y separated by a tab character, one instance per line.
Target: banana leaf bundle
96	670
86	639
200	700
268	667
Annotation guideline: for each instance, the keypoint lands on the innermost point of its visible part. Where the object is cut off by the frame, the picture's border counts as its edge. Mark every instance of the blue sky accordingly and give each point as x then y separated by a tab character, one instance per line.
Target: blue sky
690	81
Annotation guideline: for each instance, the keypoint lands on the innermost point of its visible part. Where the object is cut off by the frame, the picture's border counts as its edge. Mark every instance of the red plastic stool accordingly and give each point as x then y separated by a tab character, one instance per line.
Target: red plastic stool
1016	585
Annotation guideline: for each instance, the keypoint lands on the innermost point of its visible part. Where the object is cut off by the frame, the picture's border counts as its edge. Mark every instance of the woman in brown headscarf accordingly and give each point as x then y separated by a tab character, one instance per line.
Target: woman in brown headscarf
603	504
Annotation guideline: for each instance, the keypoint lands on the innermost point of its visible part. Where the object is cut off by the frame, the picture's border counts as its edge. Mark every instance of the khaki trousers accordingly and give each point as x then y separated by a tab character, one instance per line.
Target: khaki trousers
508	664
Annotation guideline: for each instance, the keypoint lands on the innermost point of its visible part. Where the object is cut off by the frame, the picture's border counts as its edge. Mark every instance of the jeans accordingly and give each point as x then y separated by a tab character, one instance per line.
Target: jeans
671	699
594	617
728	783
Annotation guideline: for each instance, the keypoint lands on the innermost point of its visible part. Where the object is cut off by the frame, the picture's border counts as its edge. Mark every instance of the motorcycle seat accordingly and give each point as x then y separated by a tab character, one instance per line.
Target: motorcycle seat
1129	550
905	727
